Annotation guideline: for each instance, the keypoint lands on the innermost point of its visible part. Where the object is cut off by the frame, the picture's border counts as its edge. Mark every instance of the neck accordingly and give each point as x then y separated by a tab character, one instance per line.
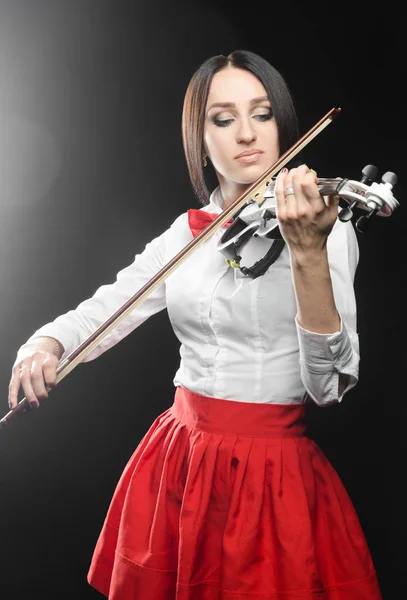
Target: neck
231	191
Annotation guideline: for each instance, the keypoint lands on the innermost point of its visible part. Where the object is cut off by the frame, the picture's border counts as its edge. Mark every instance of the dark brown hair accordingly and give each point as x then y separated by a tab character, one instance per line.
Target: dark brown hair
196	96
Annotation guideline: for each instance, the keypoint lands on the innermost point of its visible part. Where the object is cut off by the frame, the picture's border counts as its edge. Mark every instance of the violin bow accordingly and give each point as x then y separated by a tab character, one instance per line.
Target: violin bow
254	192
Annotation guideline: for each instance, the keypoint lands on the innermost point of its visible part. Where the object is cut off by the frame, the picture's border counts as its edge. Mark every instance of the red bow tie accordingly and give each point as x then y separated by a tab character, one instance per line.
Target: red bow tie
199	219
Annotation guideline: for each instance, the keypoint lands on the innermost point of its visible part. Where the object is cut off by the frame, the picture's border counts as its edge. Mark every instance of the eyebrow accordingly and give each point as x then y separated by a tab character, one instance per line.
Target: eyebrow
230	104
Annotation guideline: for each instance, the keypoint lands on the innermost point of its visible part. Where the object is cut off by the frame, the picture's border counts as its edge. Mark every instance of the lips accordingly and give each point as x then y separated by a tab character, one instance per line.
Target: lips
249	153
249	156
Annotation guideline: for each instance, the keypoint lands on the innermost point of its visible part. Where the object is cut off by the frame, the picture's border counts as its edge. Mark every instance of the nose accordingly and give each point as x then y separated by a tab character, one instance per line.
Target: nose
246	132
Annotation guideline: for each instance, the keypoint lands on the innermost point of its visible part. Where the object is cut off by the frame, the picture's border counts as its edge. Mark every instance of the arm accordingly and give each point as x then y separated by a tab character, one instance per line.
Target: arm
323	268
37	360
326	318
72	328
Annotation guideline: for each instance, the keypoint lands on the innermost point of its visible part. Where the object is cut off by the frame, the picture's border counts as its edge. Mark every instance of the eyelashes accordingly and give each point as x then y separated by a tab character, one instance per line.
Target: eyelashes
225	122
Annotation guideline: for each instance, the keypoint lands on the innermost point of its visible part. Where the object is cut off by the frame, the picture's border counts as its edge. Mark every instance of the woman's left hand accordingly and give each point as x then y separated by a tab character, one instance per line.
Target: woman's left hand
305	219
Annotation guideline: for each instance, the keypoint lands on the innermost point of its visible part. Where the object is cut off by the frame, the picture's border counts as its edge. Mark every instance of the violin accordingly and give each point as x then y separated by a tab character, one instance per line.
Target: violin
257	205
254	228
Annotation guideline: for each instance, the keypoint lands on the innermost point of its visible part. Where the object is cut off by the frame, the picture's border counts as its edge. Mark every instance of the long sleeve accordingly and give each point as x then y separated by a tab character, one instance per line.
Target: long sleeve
324	357
72	328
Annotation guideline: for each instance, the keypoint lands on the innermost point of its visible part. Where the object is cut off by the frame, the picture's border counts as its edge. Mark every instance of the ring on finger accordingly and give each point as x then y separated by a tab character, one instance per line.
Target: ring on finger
289	191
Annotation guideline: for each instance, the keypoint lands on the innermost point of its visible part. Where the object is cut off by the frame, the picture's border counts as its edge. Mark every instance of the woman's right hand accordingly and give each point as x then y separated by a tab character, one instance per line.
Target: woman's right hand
34	369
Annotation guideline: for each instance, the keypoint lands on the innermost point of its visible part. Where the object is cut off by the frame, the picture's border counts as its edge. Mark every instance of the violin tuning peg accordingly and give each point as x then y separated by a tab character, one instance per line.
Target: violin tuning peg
363	223
369	173
345	215
390	177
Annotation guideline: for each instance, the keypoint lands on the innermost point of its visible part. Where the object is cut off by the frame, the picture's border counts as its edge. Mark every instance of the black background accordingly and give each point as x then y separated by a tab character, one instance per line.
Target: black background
92	168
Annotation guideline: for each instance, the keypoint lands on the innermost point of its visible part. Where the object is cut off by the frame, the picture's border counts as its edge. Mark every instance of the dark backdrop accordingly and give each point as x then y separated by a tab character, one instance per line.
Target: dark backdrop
92	168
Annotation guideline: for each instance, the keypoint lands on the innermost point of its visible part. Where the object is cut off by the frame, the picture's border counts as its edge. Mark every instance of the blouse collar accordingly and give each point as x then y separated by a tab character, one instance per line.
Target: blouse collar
215	204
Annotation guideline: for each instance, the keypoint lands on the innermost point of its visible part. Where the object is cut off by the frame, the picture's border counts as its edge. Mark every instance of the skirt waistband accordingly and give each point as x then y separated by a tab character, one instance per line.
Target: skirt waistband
239	418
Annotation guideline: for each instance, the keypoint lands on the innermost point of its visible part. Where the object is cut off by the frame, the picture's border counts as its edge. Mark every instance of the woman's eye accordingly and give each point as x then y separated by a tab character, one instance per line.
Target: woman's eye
261	117
265	116
222	123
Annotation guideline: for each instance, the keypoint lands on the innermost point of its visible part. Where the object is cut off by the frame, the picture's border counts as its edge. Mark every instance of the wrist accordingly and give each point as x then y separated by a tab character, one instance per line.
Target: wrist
46	344
309	258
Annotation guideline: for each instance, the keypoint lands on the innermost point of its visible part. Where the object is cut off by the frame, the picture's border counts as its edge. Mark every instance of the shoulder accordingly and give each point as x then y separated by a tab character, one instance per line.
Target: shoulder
175	237
177	226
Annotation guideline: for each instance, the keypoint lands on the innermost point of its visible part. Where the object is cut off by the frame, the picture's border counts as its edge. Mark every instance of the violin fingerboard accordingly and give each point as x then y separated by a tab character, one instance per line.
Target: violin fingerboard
326	186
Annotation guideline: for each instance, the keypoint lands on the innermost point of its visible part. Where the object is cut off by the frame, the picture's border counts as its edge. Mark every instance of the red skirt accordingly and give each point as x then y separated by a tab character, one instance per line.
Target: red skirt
226	500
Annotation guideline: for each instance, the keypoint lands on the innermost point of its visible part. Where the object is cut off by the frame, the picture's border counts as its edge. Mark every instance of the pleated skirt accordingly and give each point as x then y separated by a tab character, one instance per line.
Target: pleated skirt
227	500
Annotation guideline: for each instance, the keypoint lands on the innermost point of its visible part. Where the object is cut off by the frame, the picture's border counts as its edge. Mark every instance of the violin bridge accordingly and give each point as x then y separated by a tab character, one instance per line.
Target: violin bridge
258	193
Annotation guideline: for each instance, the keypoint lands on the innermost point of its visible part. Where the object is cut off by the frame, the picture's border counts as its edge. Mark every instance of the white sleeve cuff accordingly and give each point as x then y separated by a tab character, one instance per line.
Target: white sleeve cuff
324	357
321	351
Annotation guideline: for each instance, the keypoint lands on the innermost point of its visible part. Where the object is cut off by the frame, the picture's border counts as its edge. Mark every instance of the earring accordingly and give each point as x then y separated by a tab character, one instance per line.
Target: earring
205	162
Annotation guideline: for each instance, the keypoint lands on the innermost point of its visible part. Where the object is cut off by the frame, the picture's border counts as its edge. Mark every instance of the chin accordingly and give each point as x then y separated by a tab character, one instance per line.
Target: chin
250	175
242	176
249	180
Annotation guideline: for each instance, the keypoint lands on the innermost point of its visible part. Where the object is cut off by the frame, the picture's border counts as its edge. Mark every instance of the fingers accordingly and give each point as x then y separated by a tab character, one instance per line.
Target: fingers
24	374
14	387
303	194
37	378
311	194
34	374
281	208
333	203
49	369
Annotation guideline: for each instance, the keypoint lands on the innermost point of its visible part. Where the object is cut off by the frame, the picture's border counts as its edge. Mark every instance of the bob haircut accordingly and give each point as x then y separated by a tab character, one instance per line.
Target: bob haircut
196	97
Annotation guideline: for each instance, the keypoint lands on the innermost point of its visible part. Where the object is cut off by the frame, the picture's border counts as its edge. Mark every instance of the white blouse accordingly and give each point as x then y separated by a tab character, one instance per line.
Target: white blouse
240	338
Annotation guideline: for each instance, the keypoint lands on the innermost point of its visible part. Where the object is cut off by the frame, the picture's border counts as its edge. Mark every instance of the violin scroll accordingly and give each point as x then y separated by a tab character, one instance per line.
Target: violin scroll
373	197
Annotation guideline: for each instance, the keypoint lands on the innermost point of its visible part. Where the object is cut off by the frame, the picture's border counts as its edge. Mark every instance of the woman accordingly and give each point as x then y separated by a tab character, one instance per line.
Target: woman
226	497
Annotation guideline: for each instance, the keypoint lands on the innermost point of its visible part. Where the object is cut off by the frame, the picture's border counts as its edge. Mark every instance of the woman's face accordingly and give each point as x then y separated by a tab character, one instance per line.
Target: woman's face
239	118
